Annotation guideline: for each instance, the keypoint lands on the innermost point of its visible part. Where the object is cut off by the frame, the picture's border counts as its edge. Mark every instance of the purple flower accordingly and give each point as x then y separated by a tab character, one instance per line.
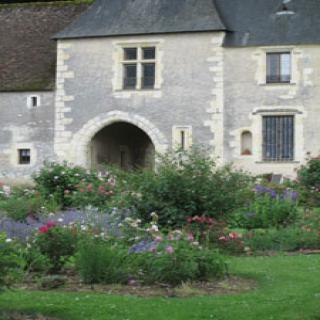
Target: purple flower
170	250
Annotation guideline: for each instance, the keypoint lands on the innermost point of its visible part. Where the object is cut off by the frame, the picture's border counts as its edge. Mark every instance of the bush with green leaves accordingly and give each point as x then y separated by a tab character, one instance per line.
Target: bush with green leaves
175	262
73	186
54	179
309	182
184	184
103	261
284	239
11	262
19	207
57	243
268	209
170	259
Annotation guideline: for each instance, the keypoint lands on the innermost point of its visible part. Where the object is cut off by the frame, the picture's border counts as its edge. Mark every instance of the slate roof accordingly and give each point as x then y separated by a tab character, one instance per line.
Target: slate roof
256	22
128	17
27	52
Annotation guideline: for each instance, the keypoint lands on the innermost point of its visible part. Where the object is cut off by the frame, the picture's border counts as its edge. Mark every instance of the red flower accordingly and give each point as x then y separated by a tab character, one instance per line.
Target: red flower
89	187
189	219
44	229
81	190
101	188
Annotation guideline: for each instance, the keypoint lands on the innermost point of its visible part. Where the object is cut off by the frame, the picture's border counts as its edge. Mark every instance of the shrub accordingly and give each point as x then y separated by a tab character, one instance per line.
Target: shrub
269	209
57	243
20	207
284	239
101	261
11	264
92	191
35	261
175	262
309	181
183	186
74	186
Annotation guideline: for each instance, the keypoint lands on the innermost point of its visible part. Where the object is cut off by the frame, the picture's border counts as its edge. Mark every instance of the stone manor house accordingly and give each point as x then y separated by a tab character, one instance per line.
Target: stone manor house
119	80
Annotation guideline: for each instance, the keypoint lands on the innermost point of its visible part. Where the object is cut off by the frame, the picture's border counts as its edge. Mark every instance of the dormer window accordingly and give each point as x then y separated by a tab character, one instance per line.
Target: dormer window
278	67
139	68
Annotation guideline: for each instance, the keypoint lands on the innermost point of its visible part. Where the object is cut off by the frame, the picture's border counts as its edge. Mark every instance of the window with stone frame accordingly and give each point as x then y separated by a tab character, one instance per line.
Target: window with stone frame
139	68
279	67
24	156
278	138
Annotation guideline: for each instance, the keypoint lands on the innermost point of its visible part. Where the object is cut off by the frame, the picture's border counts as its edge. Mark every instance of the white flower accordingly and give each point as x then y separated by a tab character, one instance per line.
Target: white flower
60	220
7	190
155	228
9	240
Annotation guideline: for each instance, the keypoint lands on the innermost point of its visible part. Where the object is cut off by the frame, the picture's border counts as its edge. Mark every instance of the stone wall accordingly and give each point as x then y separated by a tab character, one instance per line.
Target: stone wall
188	91
25	127
248	98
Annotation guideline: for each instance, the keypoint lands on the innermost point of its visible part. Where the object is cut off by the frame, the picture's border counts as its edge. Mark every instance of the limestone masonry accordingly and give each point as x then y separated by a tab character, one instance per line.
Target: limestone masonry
120	80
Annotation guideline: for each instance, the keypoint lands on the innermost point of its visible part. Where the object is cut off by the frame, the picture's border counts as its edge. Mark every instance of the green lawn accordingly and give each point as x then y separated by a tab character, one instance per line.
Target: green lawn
289	288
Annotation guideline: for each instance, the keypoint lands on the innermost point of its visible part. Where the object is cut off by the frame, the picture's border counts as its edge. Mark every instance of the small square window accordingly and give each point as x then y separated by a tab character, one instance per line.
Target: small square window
279	67
149	53
130	53
24	156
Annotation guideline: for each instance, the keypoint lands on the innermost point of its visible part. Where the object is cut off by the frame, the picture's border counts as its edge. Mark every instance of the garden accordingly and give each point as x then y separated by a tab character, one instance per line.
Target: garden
190	240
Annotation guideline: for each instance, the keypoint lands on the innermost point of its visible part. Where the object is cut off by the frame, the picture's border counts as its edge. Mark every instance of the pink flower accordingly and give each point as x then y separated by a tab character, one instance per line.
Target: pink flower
51	224
66	191
233	235
223	238
190	236
89	187
170	250
158	239
81	190
44	229
101	188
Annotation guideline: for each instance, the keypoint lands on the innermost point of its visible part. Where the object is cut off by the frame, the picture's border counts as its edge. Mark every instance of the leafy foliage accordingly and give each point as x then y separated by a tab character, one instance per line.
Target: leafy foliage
268	209
185	185
309	181
74	186
57	243
102	261
11	264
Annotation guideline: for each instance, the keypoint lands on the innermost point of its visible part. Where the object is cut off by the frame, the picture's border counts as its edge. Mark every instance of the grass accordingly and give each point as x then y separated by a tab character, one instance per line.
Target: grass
289	288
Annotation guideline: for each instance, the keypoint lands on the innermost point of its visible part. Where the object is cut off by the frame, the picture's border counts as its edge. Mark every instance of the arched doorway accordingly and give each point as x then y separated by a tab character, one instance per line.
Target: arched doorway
124	145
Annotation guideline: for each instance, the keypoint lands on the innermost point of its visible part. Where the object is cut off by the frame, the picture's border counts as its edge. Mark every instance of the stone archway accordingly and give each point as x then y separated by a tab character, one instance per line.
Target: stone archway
124	145
81	142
